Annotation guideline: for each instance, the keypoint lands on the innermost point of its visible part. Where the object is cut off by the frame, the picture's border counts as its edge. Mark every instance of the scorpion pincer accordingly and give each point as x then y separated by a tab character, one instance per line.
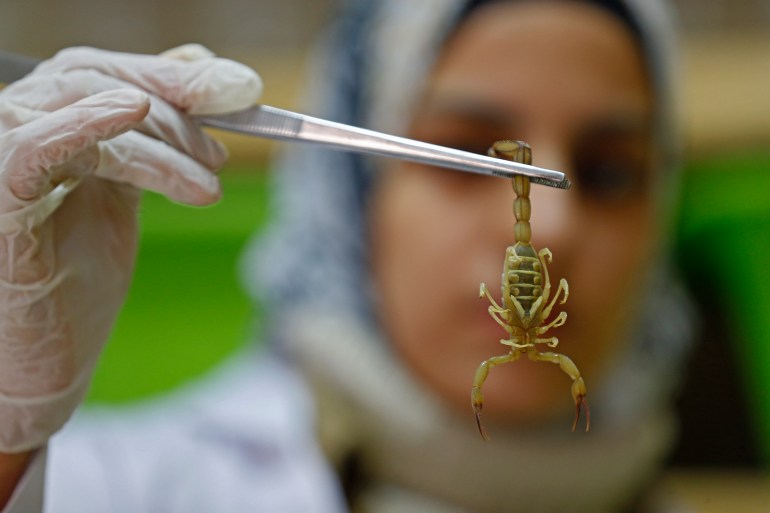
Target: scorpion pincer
526	290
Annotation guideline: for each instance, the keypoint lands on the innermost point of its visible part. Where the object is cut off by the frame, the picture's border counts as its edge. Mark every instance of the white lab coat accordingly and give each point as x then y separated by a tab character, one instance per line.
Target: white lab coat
241	440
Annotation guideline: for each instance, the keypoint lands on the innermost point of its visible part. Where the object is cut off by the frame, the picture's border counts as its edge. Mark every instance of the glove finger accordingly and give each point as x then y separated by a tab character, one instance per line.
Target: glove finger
200	86
30	151
164	122
147	163
188	52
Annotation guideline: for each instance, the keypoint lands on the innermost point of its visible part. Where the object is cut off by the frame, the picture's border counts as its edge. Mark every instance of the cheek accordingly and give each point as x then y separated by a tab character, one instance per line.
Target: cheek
410	248
608	272
431	249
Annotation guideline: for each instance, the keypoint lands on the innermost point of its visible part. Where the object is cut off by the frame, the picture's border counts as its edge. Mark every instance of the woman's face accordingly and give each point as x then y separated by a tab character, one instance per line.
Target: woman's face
568	79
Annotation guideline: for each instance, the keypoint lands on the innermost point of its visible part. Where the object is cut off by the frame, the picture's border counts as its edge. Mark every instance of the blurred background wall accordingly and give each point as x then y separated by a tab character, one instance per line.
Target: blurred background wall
726	47
271	36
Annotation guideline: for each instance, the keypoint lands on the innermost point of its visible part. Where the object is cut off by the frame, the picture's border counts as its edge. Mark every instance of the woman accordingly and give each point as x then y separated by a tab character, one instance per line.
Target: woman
538	71
370	278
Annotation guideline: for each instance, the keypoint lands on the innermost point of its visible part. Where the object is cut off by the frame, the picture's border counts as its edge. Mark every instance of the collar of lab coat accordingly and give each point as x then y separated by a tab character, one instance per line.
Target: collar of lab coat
409	449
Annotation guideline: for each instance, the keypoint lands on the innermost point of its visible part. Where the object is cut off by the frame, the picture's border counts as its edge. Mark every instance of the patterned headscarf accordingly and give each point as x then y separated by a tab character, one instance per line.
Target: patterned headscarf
370	73
311	272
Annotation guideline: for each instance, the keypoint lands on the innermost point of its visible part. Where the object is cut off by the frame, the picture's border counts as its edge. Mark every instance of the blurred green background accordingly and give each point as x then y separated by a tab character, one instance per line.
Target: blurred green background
185	310
723	251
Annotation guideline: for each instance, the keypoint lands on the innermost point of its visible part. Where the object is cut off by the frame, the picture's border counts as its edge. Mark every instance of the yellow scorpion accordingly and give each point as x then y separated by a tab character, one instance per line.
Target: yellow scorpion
526	289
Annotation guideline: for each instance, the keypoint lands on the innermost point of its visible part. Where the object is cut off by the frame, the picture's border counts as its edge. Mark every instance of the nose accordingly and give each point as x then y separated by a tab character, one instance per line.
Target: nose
493	222
555	212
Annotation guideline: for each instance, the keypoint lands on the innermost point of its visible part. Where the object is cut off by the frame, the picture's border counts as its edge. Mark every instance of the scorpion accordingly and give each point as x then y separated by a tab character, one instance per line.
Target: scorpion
526	289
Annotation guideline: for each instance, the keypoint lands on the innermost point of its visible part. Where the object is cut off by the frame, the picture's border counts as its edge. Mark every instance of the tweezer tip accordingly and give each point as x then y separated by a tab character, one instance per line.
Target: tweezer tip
564	184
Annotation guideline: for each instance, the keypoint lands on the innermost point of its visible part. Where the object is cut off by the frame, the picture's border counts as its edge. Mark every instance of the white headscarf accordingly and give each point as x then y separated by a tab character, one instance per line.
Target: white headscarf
311	272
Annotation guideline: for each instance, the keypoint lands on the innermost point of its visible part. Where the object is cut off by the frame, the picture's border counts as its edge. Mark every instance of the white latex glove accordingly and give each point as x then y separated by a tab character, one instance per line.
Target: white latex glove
79	139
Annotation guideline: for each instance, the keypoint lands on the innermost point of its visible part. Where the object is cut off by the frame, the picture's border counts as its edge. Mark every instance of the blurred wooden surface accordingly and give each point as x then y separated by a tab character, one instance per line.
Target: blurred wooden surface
720	491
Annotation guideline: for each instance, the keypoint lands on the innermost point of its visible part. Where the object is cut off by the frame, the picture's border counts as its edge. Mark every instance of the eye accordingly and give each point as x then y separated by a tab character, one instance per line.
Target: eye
460	137
459	183
465	138
612	166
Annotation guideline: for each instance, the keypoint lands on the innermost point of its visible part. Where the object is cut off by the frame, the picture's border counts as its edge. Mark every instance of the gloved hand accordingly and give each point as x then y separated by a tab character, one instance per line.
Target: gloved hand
80	137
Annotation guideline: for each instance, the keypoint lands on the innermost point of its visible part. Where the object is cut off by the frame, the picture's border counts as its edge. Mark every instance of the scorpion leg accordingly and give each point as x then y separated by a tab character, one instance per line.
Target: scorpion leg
519	309
559	321
483	290
563	287
495	310
550	341
546	258
578	386
494	314
477	399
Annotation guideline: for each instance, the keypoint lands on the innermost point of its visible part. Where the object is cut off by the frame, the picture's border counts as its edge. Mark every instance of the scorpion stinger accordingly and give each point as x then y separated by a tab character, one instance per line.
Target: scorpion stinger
526	288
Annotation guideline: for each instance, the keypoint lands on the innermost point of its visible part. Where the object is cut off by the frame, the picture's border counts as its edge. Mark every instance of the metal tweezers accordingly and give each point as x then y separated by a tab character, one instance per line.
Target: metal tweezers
273	123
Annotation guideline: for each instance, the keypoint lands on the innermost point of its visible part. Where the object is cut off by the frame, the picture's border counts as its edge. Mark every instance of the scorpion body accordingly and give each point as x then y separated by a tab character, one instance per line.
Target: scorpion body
526	290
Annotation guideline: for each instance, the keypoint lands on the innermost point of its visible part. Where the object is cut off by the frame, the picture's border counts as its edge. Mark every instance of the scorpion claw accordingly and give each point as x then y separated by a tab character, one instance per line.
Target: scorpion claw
478	402
579	394
582	403
482	430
